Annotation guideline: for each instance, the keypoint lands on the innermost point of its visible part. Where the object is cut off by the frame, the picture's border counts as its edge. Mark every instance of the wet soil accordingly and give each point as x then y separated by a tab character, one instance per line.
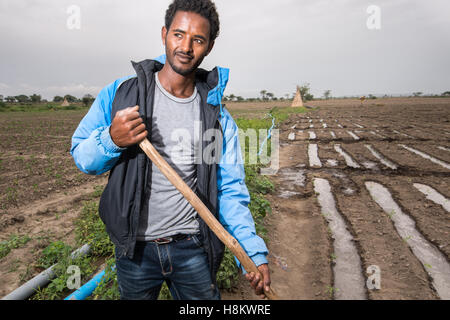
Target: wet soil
300	242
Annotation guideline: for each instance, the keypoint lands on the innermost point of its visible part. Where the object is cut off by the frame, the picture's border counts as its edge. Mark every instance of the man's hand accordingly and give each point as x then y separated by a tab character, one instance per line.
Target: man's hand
257	283
127	128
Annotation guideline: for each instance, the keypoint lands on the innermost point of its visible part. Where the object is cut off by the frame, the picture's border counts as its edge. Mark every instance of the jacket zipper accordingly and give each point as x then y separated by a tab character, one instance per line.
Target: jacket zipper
146	165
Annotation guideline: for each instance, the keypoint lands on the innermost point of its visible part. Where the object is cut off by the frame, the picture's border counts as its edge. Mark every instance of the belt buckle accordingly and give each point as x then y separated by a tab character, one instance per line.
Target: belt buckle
163	240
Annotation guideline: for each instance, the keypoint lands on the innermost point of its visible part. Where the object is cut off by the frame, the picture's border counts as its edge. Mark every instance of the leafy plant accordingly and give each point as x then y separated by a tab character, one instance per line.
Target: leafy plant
98	190
58	286
108	289
228	273
256	182
331	291
14	242
91	230
54	252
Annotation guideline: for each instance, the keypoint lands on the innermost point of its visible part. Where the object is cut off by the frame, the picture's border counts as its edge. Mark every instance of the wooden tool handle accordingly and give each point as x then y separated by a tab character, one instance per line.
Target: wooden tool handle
203	211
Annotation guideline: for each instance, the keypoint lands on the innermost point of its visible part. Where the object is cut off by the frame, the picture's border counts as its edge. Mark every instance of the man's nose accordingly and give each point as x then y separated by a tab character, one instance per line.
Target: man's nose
186	45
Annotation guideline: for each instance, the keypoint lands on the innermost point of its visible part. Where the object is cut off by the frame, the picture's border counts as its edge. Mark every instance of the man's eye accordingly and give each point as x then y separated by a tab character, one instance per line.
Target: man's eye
199	41
177	35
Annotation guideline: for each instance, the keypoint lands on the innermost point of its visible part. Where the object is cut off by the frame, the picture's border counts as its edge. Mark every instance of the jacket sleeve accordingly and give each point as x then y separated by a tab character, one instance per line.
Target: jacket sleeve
233	195
93	150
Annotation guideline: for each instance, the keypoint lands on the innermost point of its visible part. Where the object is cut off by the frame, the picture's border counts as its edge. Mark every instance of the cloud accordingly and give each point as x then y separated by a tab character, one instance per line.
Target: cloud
4	86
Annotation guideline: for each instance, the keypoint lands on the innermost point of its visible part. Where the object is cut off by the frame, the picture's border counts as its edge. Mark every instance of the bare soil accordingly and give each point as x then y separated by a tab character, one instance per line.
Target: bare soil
300	244
42	191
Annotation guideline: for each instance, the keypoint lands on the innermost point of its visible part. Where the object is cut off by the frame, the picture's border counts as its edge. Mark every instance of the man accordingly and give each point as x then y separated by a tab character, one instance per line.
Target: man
157	234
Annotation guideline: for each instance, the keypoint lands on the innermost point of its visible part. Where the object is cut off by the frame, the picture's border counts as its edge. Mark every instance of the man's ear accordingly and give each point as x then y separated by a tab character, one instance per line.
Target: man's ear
163	35
211	45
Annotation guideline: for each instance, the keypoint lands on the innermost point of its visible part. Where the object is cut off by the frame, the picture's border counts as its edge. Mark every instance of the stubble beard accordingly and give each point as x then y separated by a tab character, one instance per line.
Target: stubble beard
183	72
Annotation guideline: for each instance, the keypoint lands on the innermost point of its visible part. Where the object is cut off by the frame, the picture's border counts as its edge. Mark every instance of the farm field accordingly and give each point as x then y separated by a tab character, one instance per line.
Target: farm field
362	189
41	189
352	192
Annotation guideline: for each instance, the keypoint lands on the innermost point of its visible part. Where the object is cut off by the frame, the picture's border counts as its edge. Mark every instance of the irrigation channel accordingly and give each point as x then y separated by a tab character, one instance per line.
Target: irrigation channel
380	185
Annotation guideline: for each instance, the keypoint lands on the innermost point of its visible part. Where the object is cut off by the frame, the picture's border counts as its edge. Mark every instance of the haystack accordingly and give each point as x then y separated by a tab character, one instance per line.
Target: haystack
298	101
65	103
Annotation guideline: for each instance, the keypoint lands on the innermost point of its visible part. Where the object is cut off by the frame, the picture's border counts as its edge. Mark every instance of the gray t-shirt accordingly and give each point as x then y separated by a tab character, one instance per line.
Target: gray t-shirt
175	134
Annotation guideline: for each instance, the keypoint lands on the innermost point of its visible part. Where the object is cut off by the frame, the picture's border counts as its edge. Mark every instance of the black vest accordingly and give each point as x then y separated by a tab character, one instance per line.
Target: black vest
128	188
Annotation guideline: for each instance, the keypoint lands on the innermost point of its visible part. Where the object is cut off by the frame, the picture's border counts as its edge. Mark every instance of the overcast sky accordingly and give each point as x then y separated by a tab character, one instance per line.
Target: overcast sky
267	44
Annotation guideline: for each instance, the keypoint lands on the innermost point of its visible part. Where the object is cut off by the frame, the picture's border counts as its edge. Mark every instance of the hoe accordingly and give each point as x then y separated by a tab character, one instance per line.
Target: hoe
203	211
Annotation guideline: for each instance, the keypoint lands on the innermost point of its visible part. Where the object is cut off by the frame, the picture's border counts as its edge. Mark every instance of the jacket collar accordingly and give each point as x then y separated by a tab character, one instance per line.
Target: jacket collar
214	81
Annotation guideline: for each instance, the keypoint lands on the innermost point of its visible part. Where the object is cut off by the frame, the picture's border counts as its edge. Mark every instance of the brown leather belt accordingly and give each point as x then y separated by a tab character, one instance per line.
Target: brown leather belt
167	240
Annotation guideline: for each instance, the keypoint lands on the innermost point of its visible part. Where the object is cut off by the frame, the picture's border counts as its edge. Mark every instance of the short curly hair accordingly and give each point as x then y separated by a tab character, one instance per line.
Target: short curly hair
205	8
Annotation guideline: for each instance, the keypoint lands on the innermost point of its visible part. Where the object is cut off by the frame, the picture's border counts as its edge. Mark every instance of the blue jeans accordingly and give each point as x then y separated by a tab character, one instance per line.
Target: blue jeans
182	264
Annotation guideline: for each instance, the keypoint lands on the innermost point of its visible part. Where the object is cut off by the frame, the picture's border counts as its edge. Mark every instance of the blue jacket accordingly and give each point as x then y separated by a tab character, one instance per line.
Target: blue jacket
95	153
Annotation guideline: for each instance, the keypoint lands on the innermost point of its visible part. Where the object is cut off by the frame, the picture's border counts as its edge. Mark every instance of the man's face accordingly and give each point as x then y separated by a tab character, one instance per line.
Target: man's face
187	42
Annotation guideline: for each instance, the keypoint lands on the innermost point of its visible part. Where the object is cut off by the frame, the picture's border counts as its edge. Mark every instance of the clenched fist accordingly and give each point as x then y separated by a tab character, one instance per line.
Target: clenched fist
127	128
258	284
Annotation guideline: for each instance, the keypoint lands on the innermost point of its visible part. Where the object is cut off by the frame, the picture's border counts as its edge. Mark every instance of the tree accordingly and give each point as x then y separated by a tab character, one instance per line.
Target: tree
327	94
446	94
231	97
263	94
58	99
35	98
87	100
239	98
270	95
1	98
70	98
417	94
10	99
304	91
22	98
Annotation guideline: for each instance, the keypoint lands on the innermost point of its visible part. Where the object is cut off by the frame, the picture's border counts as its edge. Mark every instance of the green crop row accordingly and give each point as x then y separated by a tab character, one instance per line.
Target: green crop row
14	242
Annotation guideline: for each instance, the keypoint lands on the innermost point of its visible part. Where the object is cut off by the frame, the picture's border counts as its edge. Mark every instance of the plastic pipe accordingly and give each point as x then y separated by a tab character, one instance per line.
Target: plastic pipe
268	136
42	279
86	290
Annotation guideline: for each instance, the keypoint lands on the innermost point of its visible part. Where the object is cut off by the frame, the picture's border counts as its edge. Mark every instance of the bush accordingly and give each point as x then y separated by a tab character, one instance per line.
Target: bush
54	252
91	230
228	273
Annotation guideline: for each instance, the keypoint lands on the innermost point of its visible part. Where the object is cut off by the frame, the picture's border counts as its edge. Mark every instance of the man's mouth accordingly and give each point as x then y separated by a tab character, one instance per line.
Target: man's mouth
184	58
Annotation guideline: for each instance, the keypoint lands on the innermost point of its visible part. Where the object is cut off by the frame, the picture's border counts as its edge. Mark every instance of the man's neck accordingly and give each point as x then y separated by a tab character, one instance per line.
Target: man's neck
176	84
